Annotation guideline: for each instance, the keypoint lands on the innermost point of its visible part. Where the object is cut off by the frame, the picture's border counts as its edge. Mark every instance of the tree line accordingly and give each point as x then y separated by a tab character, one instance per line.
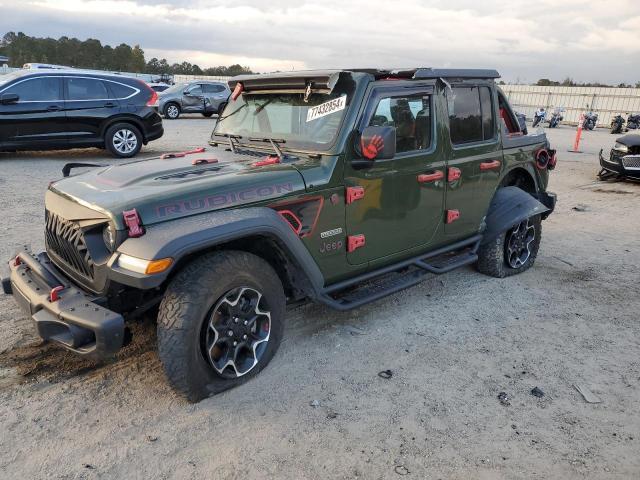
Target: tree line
569	82
92	54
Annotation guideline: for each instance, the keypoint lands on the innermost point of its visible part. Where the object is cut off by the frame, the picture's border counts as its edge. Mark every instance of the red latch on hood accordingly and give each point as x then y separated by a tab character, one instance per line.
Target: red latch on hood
132	221
270	160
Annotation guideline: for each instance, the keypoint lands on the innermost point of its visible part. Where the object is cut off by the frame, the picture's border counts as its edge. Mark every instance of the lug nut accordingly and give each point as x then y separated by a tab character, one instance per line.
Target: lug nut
235	343
230	333
246	322
244	337
235	319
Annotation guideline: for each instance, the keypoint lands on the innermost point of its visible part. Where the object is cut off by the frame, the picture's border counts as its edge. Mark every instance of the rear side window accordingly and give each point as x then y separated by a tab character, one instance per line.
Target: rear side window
42	89
209	88
86	89
487	113
411	116
471	117
121	91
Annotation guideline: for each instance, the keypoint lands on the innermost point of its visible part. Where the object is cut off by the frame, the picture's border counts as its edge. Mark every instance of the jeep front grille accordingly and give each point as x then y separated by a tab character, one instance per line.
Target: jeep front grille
66	240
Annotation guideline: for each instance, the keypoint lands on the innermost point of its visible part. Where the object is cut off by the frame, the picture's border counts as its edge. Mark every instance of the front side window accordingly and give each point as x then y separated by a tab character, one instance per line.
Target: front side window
42	89
471	117
411	117
86	89
195	90
310	124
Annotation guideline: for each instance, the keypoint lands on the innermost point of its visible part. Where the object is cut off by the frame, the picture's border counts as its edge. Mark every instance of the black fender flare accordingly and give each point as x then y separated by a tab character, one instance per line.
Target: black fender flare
185	236
510	206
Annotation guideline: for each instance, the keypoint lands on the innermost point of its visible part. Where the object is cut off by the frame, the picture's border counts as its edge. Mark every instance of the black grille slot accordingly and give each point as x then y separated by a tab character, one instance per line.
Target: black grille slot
66	240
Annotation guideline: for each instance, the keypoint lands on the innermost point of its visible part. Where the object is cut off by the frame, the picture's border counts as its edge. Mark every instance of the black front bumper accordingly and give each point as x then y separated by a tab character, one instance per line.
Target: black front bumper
625	165
76	320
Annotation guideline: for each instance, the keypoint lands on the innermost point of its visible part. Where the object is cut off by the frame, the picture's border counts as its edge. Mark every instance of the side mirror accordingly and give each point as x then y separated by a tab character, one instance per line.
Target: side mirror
378	143
8	98
187	93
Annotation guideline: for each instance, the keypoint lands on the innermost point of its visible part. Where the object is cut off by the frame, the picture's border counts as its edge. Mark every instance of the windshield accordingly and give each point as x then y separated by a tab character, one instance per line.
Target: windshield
4	79
310	125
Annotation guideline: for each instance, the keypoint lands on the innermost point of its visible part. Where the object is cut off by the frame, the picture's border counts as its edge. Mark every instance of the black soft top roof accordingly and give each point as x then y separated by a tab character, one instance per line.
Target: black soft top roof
325	80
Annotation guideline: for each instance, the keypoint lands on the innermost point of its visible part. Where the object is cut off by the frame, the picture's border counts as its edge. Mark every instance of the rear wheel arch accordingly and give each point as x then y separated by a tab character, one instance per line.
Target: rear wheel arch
521	178
112	121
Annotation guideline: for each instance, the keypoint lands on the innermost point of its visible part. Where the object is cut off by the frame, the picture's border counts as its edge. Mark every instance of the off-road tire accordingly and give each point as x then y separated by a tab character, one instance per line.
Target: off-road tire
187	305
492	257
170	113
113	140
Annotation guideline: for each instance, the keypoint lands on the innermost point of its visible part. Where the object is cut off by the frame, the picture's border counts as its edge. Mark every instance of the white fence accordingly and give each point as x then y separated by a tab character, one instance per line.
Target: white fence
606	102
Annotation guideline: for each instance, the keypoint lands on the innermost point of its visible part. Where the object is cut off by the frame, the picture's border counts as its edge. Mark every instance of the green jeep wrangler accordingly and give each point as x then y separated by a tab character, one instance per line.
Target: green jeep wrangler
337	186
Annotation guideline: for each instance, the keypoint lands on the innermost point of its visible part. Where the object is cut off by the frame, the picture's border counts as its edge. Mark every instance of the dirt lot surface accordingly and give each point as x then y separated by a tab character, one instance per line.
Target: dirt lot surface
453	343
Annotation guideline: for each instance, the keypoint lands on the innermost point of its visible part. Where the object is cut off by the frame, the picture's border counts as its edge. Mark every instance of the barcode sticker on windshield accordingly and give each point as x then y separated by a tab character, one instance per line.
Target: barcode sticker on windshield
327	108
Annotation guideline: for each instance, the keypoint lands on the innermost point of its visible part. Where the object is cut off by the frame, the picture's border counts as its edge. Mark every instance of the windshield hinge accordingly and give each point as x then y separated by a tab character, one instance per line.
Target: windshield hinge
307	93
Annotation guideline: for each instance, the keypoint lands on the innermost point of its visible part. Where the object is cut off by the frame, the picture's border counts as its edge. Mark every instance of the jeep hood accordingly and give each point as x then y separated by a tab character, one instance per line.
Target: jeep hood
165	189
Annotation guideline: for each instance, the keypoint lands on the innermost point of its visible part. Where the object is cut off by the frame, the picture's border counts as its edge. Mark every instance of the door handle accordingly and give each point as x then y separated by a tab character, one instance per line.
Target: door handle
109	105
53	108
490	165
431	177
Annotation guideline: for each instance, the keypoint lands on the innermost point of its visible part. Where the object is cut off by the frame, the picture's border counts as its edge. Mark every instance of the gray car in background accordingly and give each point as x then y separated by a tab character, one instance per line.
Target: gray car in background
201	96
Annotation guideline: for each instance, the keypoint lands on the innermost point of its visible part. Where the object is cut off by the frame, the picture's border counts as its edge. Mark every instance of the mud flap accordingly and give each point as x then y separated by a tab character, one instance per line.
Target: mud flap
510	206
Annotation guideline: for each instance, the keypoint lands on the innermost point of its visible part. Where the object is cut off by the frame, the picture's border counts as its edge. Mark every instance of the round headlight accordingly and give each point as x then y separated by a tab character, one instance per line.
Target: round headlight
109	237
621	148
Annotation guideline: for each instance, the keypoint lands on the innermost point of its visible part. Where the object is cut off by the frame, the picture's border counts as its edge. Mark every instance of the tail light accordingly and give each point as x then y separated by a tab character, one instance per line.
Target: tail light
154	98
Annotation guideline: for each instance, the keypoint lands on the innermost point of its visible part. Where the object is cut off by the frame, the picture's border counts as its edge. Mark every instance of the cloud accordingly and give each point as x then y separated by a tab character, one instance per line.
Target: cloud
588	41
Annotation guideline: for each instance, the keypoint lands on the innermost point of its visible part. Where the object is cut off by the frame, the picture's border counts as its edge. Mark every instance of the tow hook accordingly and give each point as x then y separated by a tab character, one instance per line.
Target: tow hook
54	295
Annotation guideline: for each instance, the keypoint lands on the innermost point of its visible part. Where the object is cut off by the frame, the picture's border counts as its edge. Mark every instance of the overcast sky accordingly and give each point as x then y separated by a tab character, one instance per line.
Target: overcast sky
588	40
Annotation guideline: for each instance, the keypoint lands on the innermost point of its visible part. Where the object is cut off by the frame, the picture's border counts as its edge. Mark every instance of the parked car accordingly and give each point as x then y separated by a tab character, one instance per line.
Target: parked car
159	87
623	159
56	109
336	186
202	97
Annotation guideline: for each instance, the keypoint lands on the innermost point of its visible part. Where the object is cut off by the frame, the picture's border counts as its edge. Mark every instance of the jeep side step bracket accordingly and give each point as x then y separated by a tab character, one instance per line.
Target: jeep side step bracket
393	278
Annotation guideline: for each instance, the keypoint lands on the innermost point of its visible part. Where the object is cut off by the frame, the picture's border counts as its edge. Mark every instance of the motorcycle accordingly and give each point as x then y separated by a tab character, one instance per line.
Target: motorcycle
617	123
633	122
556	117
590	120
539	117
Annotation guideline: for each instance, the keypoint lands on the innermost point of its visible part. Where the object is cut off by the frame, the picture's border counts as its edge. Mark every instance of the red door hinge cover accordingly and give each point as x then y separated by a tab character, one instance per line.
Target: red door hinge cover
453	215
132	221
354	193
354	242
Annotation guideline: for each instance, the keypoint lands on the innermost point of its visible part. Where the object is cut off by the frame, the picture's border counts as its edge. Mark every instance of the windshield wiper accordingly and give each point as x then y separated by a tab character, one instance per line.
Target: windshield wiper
232	140
275	143
232	113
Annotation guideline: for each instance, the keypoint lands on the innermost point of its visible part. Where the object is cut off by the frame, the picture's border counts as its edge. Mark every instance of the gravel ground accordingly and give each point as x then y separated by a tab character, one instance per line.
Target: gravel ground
320	410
